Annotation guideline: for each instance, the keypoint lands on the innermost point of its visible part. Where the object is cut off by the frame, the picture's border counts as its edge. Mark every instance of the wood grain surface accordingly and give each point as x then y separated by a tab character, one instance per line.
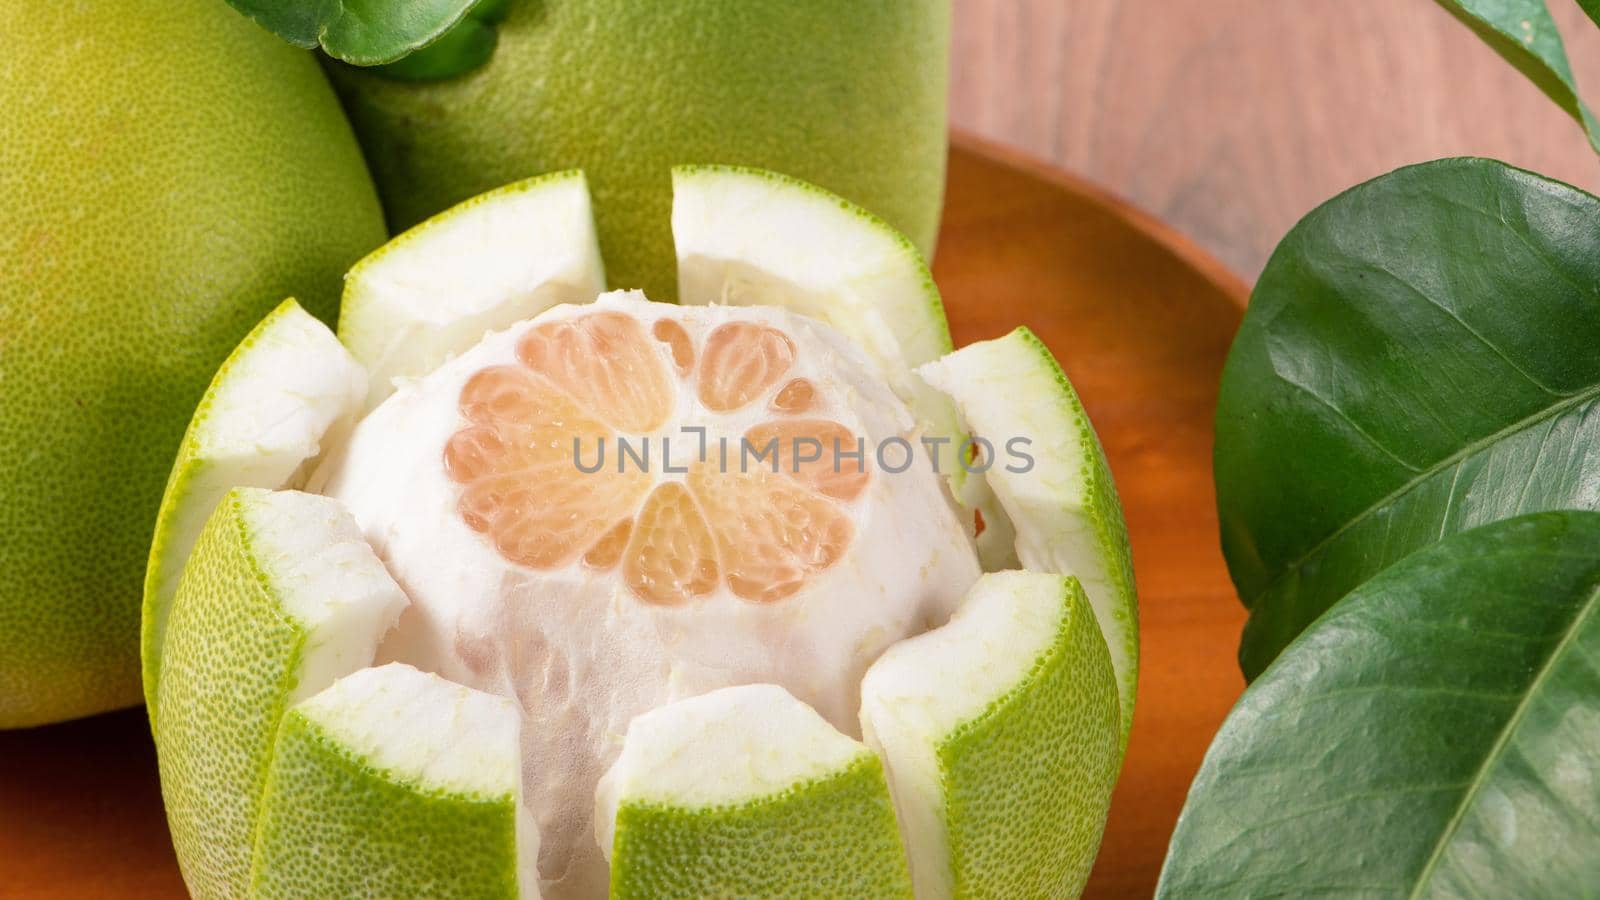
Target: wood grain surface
1231	119
1141	322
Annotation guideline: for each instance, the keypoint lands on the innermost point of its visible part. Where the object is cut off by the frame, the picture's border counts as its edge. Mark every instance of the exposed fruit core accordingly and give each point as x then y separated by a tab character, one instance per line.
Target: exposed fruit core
761	515
736	538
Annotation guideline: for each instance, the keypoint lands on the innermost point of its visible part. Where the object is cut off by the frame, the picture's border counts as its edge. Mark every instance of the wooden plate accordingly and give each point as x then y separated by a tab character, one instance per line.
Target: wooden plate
1141	322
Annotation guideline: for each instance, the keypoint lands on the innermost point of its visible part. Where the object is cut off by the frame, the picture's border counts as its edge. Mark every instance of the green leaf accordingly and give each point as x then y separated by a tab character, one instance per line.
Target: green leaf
360	32
1523	32
1437	734
462	49
1421	355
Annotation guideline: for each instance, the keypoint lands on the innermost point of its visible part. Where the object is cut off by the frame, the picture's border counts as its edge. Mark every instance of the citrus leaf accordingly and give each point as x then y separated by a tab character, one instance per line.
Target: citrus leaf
1525	35
461	49
1437	733
1592	8
1418	358
360	32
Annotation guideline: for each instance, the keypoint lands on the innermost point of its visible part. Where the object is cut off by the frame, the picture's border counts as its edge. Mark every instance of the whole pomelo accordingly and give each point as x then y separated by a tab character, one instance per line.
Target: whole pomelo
847	95
169	173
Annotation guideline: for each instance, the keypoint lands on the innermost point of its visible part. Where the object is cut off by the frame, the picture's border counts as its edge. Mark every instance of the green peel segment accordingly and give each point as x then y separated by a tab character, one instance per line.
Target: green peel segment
747	792
417	786
480	266
1000	735
1064	507
285	392
755	238
281	597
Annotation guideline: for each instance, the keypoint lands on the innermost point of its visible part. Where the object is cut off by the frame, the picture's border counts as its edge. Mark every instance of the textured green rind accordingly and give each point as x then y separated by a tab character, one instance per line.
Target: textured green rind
1110	526
163	184
831	837
1417	359
1027	782
231	658
185	488
1026	398
845	95
333	825
1435	734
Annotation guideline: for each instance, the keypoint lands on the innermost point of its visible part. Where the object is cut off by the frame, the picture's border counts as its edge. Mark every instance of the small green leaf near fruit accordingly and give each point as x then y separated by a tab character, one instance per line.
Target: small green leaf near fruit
366	32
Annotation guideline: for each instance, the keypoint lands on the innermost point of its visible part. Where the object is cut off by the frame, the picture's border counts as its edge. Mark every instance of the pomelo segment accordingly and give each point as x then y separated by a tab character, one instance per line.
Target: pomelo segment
491	261
396	783
280	597
286	390
1064	506
747	792
755	238
1000	733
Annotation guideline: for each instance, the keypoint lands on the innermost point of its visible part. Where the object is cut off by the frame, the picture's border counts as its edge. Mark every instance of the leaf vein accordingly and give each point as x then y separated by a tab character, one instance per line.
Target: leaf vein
1548	413
1503	741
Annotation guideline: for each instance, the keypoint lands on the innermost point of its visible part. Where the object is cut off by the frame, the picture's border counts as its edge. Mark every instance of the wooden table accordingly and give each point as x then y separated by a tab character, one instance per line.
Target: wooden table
1231	119
1141	322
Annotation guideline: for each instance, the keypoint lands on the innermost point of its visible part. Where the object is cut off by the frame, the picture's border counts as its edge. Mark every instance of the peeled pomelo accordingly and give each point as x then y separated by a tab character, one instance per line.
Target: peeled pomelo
1002	738
747	792
1060	500
416	787
613	511
169	173
846	95
598	596
286	386
280	597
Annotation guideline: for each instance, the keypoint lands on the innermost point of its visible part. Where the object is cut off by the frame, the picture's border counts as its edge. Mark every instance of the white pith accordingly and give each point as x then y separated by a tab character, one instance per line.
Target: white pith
1048	506
269	413
826	261
325	578
728	747
434	736
581	653
997	539
926	686
493	261
422	729
800	249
